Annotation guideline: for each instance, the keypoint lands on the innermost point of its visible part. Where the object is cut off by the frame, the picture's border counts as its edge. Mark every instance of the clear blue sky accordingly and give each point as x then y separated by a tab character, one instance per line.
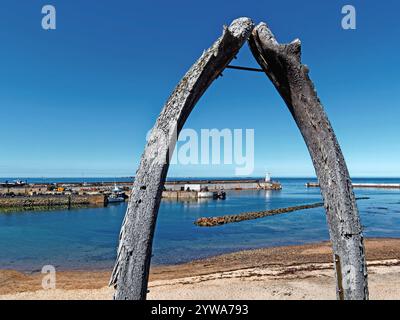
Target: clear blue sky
79	100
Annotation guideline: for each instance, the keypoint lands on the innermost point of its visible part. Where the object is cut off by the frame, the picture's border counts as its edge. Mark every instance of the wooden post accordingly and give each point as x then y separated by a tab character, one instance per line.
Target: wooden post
282	64
131	271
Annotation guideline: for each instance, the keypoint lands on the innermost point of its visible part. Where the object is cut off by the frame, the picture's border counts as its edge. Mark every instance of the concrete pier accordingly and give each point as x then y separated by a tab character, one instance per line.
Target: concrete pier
181	185
178	195
363	185
216	185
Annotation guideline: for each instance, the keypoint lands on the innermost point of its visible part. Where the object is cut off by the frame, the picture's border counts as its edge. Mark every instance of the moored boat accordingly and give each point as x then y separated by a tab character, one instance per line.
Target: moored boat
221	195
115	198
206	194
15	183
117	195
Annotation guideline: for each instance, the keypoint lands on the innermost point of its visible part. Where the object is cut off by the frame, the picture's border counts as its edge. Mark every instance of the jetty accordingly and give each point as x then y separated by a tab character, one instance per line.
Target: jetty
362	185
215	185
195	189
170	185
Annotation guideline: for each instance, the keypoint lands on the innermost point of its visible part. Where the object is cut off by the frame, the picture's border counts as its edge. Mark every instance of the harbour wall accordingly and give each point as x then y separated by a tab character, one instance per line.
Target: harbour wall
79	188
52	201
224	185
175	195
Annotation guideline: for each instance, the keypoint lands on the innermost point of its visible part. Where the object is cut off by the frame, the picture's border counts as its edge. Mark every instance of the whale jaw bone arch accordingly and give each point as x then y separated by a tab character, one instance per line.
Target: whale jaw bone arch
282	65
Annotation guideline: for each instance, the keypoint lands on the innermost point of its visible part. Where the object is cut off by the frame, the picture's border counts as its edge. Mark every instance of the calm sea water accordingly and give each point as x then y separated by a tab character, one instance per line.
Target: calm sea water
87	238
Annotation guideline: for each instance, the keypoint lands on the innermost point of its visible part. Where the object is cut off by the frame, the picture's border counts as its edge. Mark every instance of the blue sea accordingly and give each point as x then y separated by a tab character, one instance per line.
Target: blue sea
88	238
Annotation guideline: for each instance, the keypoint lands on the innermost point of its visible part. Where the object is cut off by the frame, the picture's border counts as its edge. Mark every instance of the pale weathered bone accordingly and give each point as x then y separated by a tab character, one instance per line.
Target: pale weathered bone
282	64
131	271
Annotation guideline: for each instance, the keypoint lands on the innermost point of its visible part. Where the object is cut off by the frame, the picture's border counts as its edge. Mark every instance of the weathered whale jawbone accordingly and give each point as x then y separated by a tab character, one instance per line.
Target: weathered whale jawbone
282	64
131	271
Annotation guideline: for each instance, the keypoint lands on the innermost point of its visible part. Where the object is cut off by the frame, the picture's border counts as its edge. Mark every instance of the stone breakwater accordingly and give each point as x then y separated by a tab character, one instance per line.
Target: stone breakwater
218	221
49	201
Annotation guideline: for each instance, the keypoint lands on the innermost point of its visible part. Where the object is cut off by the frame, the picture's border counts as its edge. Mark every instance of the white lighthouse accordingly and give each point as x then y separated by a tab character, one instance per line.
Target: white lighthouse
268	177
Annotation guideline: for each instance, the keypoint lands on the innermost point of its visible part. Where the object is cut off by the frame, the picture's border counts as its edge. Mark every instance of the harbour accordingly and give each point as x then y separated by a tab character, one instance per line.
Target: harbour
87	234
24	195
21	194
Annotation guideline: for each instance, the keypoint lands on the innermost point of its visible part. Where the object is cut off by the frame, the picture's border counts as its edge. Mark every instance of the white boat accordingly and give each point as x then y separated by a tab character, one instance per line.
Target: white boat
116	189
115	198
205	194
117	195
15	183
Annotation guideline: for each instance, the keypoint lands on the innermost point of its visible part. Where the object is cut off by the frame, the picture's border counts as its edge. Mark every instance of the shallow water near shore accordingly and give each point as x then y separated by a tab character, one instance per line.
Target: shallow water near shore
87	238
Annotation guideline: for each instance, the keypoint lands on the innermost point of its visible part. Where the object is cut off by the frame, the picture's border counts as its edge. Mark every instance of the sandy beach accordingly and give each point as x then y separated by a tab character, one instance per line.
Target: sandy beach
292	272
